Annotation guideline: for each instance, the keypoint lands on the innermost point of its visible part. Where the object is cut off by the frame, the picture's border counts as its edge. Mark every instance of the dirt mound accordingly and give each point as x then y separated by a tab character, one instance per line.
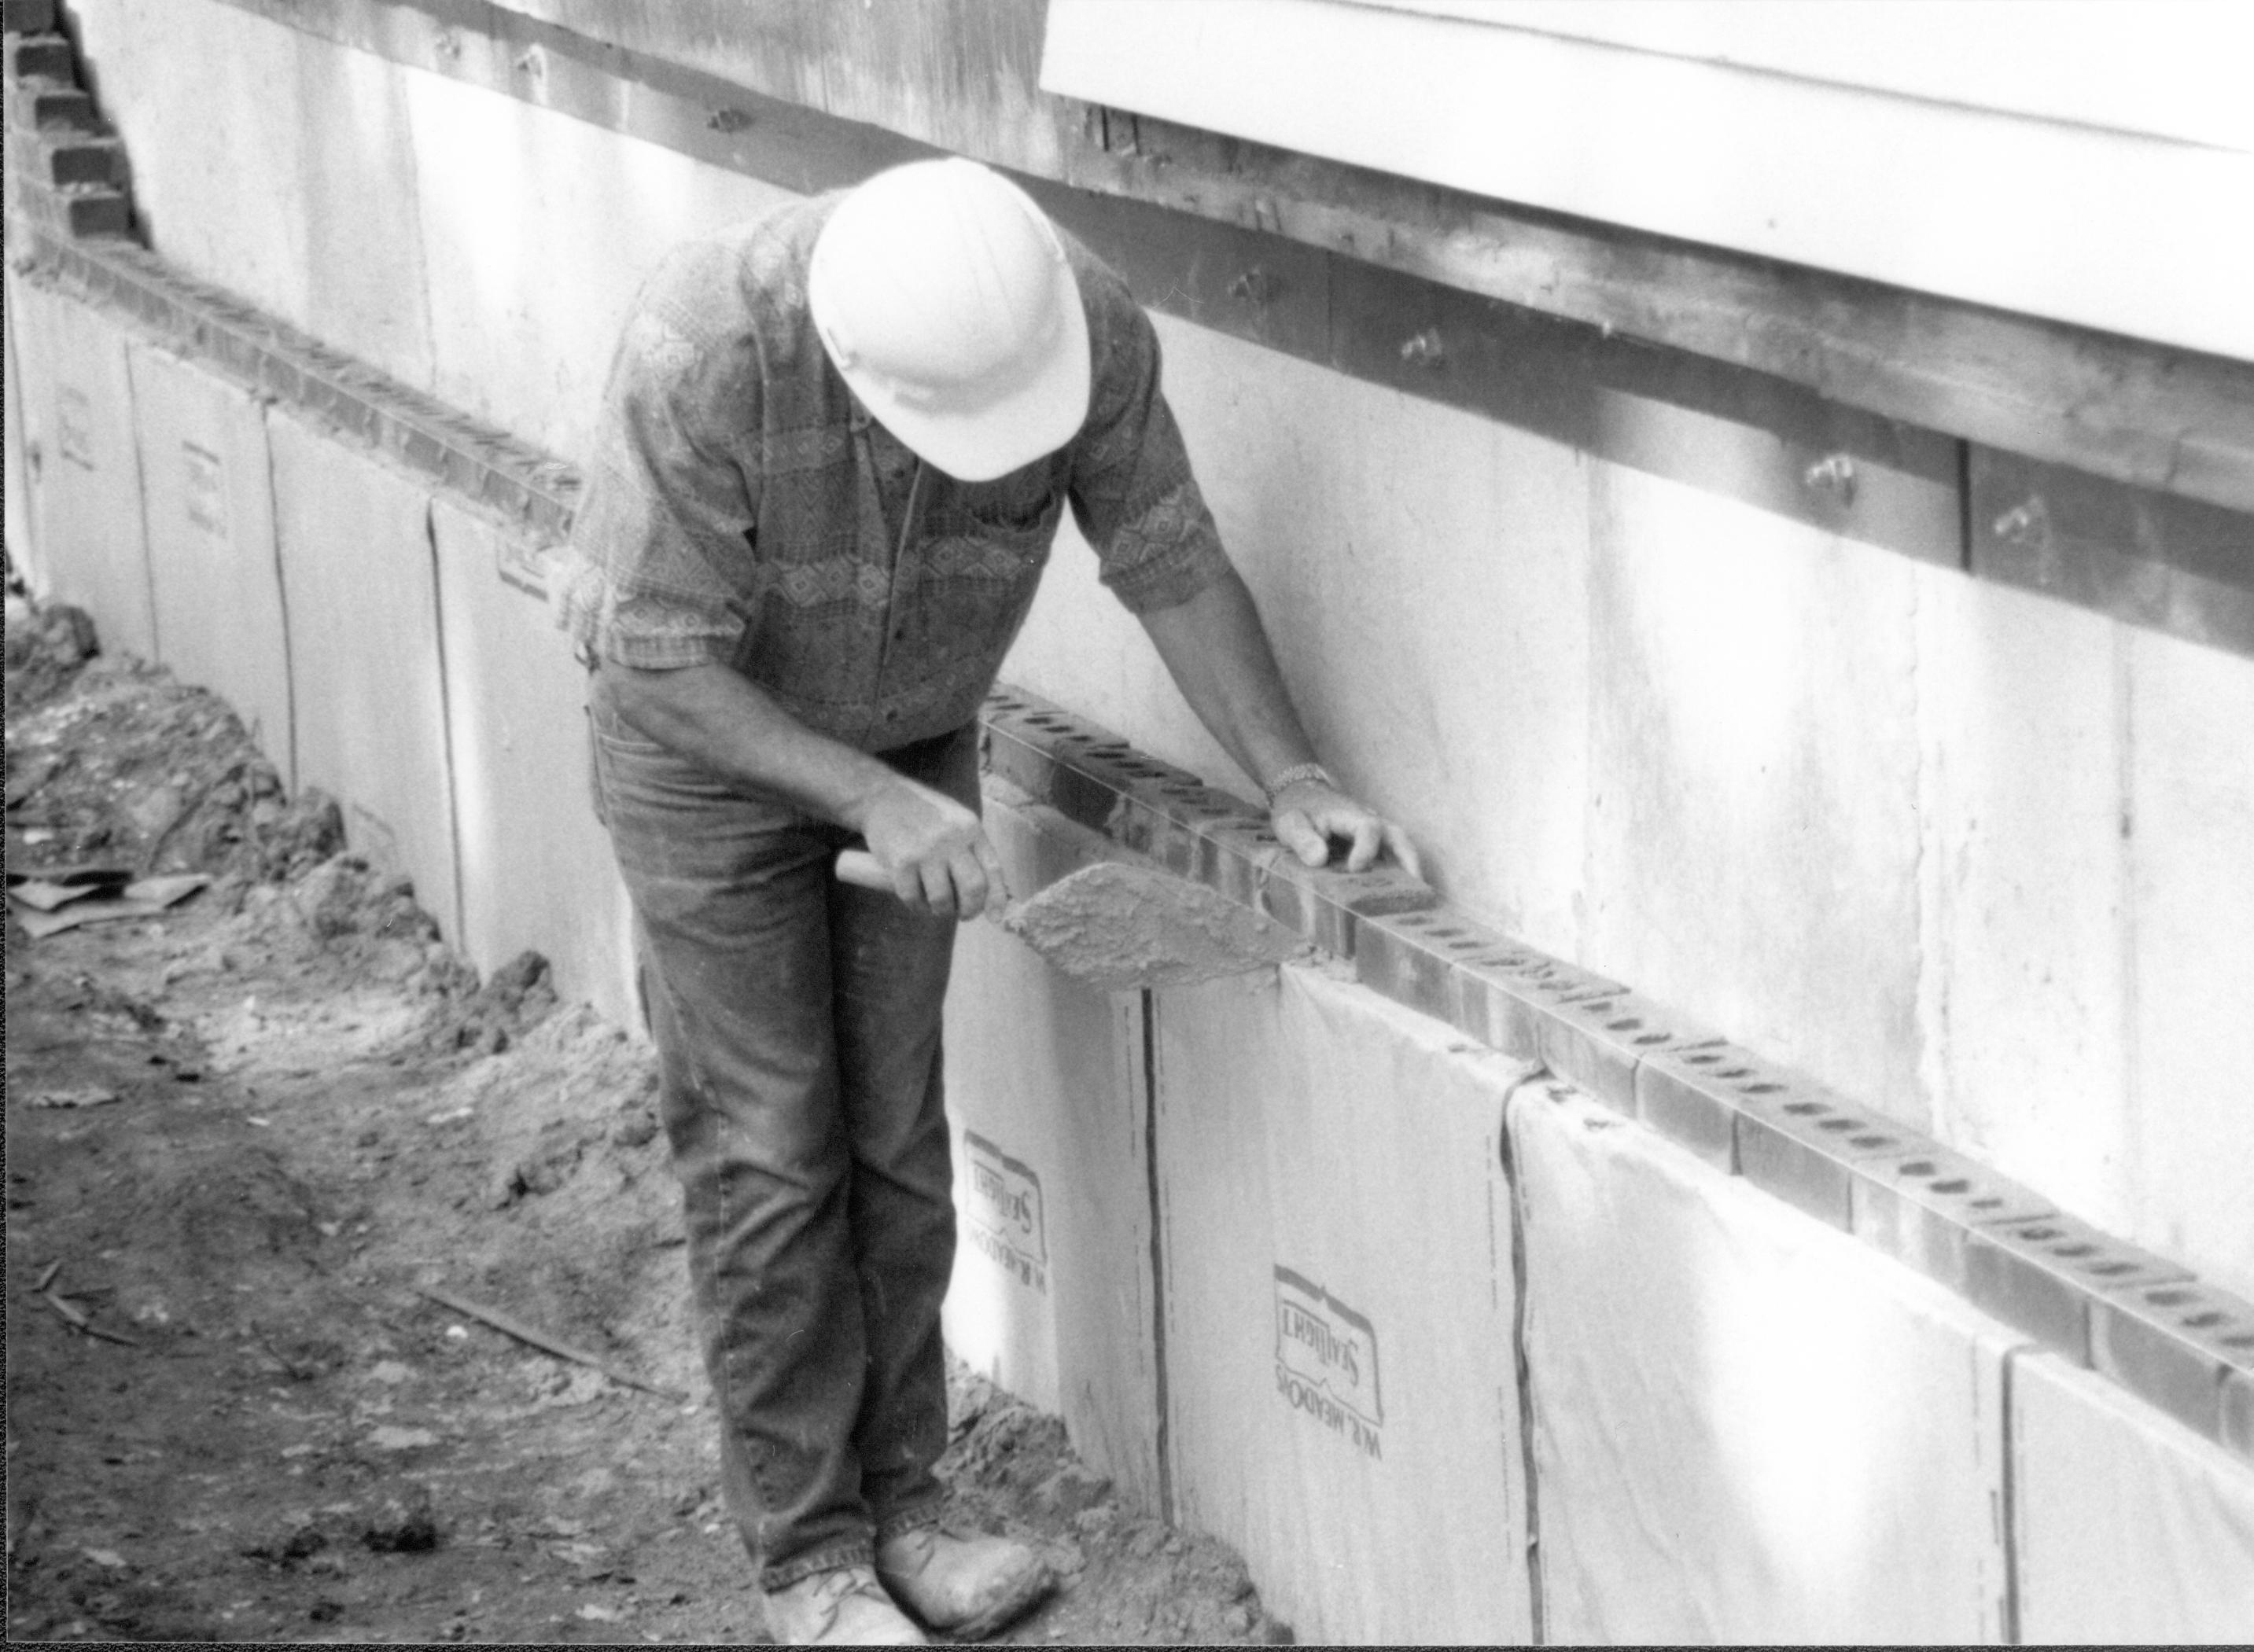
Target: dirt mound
46	645
113	760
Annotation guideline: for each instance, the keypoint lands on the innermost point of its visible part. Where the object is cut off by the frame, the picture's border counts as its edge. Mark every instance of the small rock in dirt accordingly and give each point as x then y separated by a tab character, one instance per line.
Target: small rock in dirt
519	995
295	1542
91	1095
637	1131
47	643
388	1439
404	1522
1071	1491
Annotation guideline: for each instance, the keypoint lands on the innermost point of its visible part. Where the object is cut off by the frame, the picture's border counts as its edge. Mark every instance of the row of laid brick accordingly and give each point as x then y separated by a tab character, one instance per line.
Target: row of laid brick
2145	1322
66	169
508	477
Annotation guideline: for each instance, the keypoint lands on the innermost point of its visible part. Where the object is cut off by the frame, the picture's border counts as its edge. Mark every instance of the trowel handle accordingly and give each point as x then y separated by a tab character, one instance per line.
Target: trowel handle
859	866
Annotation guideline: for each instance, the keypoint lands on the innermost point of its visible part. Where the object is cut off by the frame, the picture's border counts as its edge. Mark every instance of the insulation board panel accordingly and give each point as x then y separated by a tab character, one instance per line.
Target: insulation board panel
207	501
536	868
83	464
1748	1427
1343	1401
2130	1530
364	671
1048	1115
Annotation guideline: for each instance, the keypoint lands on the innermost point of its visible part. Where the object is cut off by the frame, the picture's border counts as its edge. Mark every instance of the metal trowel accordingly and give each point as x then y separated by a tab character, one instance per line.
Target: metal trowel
1118	927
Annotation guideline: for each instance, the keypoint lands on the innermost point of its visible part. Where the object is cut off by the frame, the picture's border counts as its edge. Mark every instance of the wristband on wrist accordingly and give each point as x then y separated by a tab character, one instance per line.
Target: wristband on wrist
1276	784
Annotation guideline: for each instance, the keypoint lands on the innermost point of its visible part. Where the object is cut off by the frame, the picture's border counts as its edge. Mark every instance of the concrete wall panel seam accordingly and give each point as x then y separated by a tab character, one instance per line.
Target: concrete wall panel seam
1523	1378
282	588
2008	1485
454	786
1162	1441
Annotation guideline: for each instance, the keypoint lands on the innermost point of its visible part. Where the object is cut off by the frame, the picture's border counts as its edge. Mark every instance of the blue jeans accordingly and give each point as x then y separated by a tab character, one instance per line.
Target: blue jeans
797	1022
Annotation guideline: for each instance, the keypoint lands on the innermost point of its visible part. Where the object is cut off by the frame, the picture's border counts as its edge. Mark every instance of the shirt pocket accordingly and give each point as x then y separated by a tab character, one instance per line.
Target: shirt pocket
980	568
812	630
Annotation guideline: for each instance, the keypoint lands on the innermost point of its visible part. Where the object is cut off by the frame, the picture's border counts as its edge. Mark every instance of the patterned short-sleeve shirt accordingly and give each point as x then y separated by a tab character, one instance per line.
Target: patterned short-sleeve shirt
743	509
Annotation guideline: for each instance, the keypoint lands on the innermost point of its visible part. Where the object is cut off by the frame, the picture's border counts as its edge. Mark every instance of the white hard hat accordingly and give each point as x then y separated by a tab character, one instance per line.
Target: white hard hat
943	297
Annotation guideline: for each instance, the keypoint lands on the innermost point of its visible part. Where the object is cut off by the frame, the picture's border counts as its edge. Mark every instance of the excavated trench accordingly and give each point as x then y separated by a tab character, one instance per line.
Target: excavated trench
249	1133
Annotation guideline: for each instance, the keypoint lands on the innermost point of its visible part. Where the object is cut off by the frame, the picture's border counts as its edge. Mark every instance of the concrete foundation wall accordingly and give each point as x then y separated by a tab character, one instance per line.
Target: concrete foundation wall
476	247
273	165
1972	856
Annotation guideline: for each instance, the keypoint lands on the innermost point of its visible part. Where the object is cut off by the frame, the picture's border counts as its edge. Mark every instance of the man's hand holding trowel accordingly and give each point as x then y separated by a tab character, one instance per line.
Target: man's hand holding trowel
1217	651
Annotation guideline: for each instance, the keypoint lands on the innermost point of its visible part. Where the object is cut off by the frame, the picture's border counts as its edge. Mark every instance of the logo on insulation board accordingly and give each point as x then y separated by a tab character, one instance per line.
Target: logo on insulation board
206	489
74	426
1007	1222
1326	1361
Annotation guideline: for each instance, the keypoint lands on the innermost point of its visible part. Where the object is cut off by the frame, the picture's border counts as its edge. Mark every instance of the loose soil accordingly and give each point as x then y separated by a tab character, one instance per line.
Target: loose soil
244	1137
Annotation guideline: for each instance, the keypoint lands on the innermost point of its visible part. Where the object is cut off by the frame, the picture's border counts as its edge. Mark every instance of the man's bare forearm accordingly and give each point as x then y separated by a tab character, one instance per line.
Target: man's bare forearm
1217	650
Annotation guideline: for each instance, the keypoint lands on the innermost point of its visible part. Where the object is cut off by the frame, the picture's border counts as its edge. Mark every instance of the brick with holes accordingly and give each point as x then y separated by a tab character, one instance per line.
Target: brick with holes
2176	1345
2044	1276
1415	958
1599	1043
1502	998
1921	1204
1799	1139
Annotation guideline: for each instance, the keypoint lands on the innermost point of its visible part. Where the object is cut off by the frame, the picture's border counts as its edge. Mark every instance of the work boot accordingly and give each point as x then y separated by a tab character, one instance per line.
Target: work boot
967	1587
844	1606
